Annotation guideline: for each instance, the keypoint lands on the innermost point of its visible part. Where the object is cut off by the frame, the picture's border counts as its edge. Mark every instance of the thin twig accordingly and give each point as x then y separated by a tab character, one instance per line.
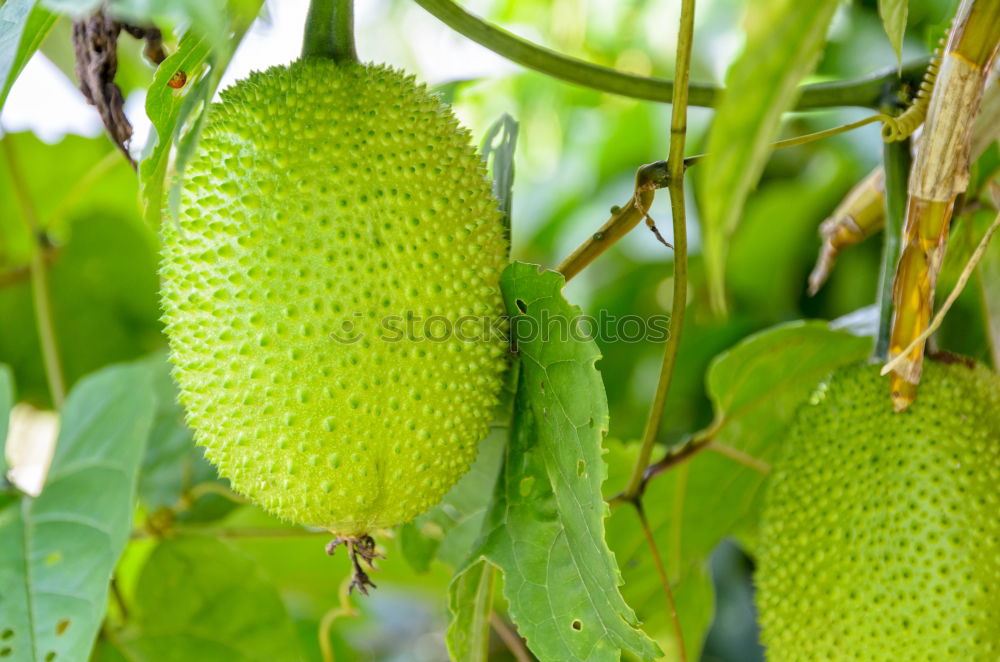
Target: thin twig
344	609
654	176
39	278
511	639
664	581
935	324
119	598
648	178
220	532
736	454
807	137
212	487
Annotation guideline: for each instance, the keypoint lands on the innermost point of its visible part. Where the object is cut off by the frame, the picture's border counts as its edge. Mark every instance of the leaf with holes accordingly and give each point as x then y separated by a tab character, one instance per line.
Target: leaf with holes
57	551
199	598
178	114
545	527
23	26
784	40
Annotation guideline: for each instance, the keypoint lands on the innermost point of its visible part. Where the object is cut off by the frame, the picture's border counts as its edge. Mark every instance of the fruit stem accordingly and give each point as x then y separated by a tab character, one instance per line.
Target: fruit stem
866	92
330	31
896	159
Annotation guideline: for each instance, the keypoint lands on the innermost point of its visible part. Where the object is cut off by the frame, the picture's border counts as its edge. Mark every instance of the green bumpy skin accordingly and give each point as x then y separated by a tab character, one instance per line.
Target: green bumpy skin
322	201
880	537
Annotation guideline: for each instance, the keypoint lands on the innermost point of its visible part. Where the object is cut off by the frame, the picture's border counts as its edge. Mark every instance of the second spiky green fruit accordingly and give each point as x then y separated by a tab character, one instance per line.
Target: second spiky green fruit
329	293
881	530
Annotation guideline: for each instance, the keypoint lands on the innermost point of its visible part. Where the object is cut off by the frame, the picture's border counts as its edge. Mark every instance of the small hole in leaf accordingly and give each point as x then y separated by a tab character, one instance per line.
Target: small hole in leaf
61	626
581	467
6	651
590	423
7	634
577	624
521	305
542	384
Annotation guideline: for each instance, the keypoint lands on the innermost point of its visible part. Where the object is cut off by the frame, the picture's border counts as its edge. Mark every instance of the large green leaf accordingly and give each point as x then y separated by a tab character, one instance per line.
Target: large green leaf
178	114
57	551
784	40
755	387
23	26
545	528
201	599
893	14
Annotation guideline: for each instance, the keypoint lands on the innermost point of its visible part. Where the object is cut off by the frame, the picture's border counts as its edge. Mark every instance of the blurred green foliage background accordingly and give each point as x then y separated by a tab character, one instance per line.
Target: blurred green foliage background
576	157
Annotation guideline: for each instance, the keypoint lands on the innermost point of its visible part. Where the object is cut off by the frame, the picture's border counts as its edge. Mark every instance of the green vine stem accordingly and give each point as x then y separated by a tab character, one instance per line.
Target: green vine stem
39	278
866	92
675	186
330	31
896	158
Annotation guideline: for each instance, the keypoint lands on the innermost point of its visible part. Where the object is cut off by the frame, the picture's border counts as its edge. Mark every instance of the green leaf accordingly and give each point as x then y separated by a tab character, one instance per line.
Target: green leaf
23	26
545	528
178	114
893	14
173	464
201	599
784	40
57	551
418	549
457	521
755	387
471	602
102	279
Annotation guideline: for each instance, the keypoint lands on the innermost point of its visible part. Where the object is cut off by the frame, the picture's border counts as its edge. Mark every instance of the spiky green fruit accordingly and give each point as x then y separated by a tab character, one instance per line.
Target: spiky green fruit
881	531
327	292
